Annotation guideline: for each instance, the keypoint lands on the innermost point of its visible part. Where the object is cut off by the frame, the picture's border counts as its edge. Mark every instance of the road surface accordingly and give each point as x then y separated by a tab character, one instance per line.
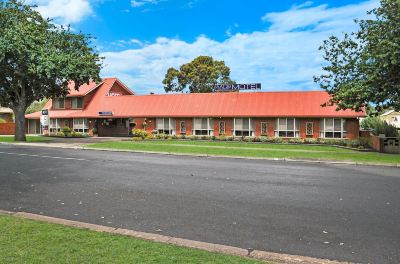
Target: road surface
341	212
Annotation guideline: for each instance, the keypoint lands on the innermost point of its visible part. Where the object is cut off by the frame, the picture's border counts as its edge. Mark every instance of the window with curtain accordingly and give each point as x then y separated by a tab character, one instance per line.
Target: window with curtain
77	102
59	103
203	126
333	128
80	125
244	127
287	127
165	125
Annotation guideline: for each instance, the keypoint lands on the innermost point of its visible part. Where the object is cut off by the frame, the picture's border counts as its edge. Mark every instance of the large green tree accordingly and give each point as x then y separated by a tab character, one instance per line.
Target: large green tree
38	59
364	66
198	76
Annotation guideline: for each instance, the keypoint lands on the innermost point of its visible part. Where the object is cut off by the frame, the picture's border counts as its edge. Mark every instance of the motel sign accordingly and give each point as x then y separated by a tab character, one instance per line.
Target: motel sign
237	87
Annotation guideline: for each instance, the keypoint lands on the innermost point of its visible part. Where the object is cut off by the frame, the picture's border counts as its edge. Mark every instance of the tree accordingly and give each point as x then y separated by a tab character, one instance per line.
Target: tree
39	59
198	76
364	67
36	106
379	126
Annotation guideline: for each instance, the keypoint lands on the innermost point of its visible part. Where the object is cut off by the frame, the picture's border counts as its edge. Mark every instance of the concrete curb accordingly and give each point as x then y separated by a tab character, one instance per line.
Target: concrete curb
216	248
204	155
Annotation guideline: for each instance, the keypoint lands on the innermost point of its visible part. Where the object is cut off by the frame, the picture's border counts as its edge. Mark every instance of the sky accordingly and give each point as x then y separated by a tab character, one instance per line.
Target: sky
271	42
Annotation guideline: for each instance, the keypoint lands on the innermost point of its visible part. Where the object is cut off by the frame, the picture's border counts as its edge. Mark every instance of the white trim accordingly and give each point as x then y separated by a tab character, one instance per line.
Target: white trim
234	126
250	127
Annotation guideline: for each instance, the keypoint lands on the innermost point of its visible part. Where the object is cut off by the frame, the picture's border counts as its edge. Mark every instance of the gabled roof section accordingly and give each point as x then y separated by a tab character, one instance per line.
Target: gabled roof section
83	89
120	84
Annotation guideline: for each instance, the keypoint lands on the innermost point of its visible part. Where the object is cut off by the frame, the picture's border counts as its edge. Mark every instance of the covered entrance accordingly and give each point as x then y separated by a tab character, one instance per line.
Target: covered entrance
114	127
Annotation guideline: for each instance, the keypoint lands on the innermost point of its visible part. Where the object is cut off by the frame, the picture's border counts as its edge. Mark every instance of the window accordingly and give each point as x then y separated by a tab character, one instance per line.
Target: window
221	128
287	127
203	126
264	128
332	128
80	125
59	103
309	128
55	125
244	127
77	102
182	127
165	125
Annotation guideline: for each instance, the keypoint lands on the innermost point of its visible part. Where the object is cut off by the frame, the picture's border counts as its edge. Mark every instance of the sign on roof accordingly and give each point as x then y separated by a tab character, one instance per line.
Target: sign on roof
106	113
237	87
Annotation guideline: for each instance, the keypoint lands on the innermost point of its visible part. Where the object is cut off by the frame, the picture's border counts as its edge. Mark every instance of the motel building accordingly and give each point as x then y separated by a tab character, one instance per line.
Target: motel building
110	108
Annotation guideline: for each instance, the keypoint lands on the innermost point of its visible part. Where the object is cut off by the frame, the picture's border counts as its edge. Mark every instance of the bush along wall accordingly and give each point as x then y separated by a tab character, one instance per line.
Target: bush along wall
361	143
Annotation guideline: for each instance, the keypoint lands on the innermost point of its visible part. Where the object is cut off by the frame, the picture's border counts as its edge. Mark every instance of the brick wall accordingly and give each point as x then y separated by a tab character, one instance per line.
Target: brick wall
303	127
270	126
353	128
188	126
228	126
7	128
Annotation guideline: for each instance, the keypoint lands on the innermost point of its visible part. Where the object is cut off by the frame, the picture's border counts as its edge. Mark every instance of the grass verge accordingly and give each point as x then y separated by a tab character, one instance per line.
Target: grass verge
28	241
28	139
242	149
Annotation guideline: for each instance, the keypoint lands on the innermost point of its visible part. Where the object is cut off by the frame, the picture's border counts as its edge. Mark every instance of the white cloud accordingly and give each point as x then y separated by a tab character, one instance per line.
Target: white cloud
140	3
63	11
283	57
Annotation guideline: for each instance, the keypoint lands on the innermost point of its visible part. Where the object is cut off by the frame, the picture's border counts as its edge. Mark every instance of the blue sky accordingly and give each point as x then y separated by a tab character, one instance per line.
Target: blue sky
272	42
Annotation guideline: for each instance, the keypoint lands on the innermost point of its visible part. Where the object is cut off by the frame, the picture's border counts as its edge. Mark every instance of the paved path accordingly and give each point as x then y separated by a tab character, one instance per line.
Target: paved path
322	210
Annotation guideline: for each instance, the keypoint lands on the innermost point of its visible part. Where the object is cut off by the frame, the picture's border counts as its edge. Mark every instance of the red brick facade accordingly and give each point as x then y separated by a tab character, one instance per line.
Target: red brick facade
352	126
7	128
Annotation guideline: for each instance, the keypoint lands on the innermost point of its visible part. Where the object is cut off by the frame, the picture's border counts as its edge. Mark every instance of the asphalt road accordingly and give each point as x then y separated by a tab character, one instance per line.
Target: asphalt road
338	212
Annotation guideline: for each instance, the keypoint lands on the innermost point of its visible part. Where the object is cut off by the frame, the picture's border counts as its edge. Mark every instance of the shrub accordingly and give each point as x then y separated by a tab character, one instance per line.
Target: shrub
295	140
263	139
2	121
365	142
256	139
60	134
76	134
66	130
139	133
183	136
311	141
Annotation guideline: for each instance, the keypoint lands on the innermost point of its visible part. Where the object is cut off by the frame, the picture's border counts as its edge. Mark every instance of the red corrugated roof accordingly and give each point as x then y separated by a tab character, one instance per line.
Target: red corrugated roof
246	104
83	89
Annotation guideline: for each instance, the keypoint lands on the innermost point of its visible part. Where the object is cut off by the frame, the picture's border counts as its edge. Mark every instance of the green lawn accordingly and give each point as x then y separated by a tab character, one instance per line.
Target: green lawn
27	241
253	150
28	139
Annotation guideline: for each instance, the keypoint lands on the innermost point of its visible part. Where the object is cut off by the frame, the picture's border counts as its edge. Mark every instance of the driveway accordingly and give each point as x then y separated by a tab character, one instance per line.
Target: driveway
341	212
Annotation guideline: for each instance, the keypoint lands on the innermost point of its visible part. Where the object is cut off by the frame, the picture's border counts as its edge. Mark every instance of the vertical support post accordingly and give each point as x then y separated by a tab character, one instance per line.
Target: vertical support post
249	128
234	126
324	129
83	122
